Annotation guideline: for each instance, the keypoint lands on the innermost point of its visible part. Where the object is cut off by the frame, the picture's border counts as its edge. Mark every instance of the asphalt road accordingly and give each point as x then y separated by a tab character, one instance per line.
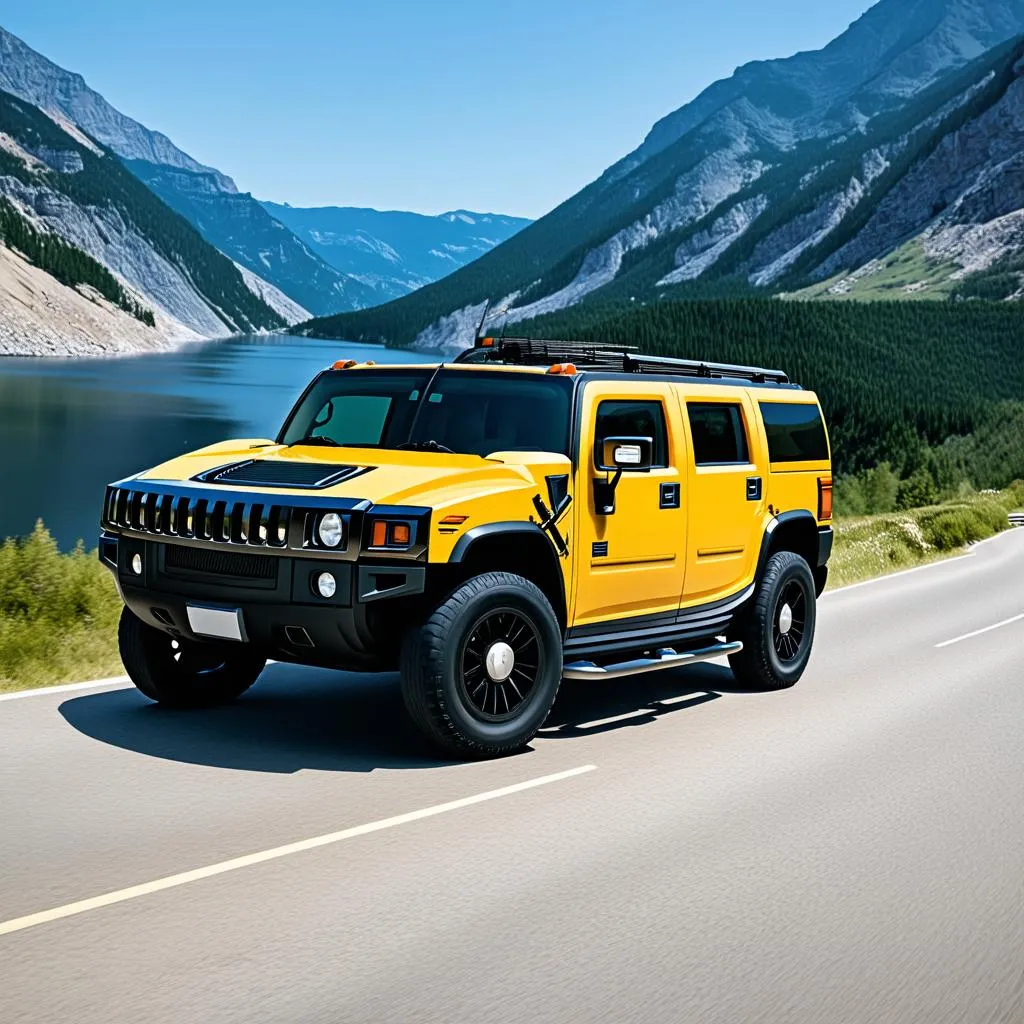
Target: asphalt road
852	850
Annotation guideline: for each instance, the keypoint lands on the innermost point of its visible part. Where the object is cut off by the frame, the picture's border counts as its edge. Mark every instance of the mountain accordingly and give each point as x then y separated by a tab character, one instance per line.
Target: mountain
395	253
231	220
816	168
92	260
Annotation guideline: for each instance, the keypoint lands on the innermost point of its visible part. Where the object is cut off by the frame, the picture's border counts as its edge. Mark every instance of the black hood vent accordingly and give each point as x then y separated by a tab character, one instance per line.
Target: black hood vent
310	476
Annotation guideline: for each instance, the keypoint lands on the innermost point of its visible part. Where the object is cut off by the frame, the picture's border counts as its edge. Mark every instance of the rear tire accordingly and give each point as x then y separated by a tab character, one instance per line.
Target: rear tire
184	673
777	626
479	677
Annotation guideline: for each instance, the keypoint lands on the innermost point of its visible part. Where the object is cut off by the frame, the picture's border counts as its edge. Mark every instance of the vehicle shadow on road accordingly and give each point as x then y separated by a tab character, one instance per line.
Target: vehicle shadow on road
294	718
298	718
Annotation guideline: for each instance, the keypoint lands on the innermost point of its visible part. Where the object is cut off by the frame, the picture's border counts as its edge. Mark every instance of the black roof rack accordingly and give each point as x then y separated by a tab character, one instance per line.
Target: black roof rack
587	355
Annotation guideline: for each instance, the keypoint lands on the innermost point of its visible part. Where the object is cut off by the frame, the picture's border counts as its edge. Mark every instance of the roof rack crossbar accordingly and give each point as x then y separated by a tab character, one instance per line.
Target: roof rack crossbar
587	355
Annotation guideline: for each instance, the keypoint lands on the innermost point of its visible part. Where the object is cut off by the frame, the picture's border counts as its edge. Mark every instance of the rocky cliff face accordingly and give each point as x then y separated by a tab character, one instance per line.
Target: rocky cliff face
765	181
28	74
61	185
207	198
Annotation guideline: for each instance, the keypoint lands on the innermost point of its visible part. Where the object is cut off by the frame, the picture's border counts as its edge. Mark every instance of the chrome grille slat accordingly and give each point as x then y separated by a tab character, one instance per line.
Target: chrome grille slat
229	521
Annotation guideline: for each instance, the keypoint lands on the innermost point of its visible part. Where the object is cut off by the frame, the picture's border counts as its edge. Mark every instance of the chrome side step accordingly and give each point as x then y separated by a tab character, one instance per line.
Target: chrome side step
667	658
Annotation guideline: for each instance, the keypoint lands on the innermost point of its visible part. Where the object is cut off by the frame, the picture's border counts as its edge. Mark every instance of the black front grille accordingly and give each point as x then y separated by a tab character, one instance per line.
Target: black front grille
251	523
279	473
219	563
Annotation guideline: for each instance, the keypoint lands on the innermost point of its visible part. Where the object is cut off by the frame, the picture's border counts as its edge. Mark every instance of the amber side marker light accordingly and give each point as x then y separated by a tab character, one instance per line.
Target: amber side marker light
453	520
824	499
563	370
344	364
487	343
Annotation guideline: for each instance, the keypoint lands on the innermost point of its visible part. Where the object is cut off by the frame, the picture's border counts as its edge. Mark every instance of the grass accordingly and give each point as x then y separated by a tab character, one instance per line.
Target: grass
59	612
871	546
906	273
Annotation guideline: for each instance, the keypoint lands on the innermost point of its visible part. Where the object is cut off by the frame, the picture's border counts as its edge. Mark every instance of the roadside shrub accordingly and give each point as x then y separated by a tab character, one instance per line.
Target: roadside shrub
58	613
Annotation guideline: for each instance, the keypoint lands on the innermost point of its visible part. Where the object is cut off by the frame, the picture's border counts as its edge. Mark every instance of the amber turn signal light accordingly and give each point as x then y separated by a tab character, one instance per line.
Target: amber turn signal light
825	499
390	534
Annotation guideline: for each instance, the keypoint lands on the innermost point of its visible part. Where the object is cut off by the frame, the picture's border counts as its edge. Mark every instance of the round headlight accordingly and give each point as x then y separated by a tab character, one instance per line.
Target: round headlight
330	530
326	584
137	564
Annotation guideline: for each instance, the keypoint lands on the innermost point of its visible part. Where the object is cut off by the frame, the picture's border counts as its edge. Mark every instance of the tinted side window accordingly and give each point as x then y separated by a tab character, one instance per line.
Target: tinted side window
633	419
719	438
796	433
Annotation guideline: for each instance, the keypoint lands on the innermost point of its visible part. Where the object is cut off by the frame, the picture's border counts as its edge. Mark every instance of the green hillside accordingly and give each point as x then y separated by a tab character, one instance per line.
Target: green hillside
898	380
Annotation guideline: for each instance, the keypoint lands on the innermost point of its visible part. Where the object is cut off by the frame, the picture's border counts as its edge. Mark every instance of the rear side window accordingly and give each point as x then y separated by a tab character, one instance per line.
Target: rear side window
796	433
633	419
719	438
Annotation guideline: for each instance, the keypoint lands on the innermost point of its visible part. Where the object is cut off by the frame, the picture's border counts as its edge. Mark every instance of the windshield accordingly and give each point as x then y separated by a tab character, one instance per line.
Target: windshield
467	412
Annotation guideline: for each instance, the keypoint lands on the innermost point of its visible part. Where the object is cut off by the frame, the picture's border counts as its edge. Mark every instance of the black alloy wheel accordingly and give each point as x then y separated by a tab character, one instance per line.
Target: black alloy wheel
499	664
790	621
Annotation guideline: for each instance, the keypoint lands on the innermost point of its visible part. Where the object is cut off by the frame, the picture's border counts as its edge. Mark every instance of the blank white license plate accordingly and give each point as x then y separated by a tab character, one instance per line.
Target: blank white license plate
223	623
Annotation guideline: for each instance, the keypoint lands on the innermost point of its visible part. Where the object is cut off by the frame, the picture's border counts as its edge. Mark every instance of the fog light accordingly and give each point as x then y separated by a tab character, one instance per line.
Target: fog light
137	564
330	530
326	584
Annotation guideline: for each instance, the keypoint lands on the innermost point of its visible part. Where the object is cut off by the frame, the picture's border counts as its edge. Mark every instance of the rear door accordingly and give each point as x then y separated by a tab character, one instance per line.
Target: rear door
727	487
630	563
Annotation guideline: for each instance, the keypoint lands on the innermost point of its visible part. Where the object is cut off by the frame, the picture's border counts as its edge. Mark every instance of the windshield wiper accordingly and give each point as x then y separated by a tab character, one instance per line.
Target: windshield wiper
425	446
316	439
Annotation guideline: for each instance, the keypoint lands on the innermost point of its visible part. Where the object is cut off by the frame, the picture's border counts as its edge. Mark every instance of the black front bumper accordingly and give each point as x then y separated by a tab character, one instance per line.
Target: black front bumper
283	614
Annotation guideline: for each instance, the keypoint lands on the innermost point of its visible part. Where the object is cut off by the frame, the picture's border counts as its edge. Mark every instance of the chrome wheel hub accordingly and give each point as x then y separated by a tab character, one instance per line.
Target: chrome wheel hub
500	661
785	620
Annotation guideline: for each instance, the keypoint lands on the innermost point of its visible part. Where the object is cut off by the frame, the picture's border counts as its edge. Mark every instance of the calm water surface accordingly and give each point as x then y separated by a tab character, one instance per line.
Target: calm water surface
71	426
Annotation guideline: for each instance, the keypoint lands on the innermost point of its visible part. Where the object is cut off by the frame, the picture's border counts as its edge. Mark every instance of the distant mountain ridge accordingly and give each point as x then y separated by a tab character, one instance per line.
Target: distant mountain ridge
758	183
394	252
233	221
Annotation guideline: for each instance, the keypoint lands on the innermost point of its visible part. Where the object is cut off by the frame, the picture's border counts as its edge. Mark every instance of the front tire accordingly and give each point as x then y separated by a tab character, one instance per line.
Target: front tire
184	673
480	676
777	627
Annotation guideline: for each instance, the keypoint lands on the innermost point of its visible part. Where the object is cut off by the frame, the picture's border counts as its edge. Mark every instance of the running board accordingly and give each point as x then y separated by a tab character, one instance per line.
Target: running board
667	658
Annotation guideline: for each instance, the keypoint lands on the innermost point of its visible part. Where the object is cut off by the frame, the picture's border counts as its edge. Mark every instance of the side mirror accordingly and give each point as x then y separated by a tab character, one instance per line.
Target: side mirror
626	455
619	455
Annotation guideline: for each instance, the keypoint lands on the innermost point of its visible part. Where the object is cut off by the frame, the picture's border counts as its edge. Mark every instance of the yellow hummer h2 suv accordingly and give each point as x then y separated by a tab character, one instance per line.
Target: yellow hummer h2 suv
531	512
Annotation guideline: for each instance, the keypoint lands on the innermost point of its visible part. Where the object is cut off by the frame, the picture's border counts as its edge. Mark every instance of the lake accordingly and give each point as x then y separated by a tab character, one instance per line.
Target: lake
70	426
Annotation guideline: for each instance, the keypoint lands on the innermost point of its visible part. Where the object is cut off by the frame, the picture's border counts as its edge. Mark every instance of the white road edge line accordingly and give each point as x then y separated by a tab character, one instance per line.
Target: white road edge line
65	688
18	924
980	632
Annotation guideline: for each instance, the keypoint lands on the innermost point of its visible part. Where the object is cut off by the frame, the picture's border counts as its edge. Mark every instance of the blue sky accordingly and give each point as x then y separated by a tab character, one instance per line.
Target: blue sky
414	104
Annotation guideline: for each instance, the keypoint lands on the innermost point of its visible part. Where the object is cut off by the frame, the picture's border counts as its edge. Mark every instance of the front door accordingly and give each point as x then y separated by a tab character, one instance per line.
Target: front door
631	562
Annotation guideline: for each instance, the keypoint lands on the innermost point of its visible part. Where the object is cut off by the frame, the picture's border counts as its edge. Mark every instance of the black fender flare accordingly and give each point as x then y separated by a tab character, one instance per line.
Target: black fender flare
518	529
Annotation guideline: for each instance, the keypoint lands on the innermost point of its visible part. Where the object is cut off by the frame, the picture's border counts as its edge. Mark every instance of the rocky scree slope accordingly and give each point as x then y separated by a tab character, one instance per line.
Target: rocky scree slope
754	185
65	186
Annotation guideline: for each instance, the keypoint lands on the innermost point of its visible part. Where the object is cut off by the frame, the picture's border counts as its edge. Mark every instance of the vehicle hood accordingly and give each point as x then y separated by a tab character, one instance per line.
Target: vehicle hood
426	479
